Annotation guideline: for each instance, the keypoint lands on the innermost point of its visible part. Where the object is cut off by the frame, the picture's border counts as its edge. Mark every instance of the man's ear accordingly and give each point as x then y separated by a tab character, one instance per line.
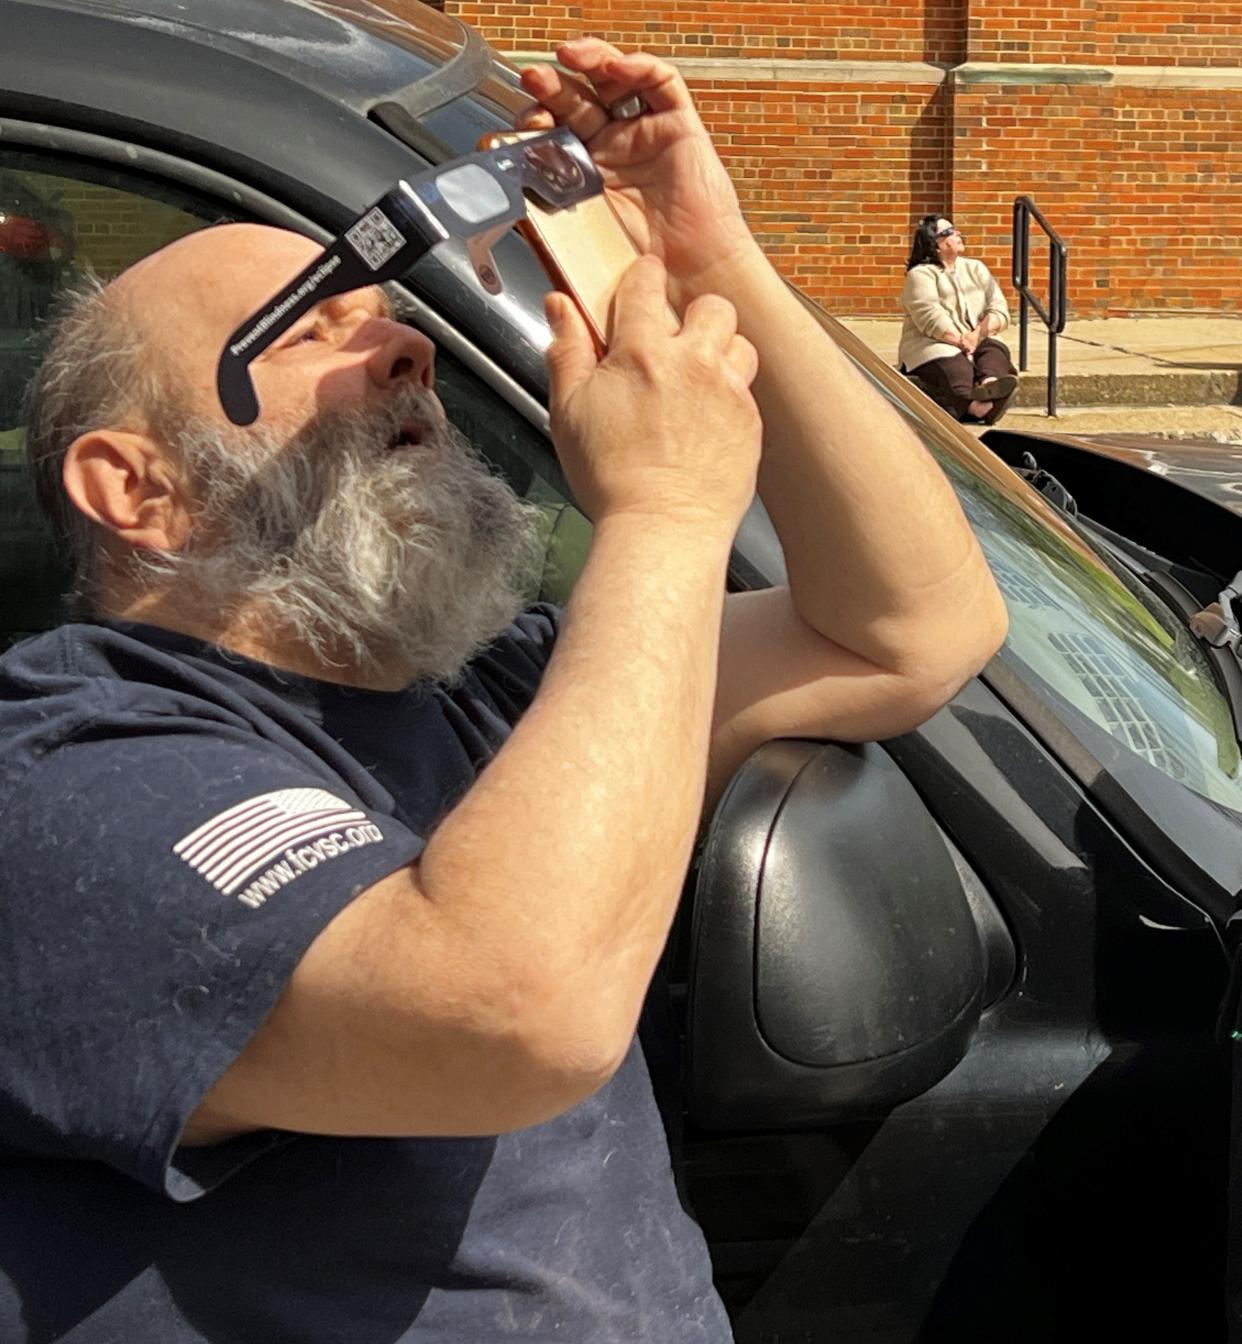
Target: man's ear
124	482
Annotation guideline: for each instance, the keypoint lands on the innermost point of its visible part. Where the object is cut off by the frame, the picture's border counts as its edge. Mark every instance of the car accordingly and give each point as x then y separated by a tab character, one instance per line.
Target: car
949	1003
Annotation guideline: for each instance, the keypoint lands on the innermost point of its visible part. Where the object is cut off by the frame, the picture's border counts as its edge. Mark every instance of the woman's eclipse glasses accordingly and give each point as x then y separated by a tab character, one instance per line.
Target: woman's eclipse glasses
474	199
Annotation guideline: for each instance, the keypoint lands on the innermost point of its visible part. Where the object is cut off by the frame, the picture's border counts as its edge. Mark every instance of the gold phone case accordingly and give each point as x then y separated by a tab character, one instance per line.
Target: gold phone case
585	249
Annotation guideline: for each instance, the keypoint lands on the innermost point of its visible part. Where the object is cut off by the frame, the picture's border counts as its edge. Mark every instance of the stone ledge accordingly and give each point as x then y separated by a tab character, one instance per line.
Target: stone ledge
1213	424
776	70
770	70
1183	387
1115	76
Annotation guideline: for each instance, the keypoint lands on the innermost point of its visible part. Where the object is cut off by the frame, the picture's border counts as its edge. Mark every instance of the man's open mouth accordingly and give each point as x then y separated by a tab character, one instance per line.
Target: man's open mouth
410	435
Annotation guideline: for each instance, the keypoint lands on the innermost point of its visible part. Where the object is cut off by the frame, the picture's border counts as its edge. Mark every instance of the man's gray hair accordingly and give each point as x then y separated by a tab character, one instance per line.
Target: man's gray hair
97	373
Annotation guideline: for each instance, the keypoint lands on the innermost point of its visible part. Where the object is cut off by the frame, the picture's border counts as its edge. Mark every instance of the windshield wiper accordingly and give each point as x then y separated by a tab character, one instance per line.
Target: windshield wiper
1047	485
1217	624
1216	628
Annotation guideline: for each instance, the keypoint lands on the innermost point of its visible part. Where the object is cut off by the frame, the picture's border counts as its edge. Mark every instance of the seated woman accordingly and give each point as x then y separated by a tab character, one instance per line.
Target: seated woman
953	309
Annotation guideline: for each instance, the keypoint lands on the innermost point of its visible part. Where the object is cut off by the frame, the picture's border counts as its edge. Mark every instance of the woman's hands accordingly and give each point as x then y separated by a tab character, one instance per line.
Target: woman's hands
661	171
665	425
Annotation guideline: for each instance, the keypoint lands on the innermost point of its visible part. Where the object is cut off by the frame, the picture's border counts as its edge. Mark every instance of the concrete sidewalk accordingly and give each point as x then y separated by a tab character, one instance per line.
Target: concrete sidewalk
1180	376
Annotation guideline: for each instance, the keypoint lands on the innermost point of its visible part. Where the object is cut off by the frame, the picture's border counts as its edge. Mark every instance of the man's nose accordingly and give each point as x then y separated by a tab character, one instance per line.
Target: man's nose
401	354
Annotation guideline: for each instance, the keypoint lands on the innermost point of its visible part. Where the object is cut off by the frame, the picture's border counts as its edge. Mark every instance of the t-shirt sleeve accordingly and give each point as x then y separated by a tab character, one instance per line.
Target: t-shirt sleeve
159	888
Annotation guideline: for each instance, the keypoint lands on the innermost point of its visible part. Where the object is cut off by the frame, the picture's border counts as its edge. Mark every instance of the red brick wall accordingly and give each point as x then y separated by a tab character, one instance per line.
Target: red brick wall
830	177
1123	32
879	30
1144	183
1133	32
1032	30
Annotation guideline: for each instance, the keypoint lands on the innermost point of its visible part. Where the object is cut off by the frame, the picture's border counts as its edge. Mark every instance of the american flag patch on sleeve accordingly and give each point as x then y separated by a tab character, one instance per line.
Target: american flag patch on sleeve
258	846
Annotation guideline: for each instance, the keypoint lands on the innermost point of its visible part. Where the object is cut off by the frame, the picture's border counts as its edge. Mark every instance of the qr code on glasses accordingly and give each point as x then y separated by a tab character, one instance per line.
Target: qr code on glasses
375	239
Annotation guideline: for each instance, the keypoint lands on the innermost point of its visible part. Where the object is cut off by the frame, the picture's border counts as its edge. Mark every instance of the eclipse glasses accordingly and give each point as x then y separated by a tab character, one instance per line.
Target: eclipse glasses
474	199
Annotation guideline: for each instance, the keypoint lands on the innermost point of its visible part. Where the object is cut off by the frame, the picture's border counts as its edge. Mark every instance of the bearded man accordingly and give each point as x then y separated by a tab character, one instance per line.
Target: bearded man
334	882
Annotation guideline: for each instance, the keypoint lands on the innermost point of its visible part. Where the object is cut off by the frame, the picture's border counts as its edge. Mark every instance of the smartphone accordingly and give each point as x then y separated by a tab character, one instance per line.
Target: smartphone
585	249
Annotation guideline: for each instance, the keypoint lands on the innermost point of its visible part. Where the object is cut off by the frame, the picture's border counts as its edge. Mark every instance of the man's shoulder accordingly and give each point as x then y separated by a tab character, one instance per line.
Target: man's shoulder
526	643
534	631
74	661
87	680
64	664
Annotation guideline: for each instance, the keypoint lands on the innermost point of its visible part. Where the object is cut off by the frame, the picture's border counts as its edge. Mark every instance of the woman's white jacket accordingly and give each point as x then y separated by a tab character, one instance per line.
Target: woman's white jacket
936	301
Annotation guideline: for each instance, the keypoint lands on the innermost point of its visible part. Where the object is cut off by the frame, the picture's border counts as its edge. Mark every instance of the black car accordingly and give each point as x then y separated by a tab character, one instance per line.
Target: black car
952	1067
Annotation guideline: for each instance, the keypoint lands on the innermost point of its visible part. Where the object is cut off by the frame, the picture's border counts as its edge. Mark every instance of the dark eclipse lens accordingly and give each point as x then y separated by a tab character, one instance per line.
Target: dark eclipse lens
555	165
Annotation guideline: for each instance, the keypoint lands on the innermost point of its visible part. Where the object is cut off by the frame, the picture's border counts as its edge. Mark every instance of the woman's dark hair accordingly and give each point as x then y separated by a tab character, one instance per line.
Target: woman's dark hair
926	246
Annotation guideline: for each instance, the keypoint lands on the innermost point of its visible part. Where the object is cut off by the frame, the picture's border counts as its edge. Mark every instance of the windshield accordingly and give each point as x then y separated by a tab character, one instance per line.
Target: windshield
1078	624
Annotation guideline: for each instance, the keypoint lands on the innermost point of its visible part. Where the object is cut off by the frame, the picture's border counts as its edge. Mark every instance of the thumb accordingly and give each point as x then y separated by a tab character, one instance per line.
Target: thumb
571	356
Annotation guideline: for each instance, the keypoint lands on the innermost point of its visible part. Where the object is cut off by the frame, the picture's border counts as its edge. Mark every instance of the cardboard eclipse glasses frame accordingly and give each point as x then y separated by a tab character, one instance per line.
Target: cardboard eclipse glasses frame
474	199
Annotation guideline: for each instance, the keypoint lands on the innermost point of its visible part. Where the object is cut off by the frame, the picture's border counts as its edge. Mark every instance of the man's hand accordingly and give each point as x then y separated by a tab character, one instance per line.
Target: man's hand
662	172
665	423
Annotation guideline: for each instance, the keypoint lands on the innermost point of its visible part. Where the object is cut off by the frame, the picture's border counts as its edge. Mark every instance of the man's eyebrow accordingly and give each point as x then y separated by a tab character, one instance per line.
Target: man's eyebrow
388	302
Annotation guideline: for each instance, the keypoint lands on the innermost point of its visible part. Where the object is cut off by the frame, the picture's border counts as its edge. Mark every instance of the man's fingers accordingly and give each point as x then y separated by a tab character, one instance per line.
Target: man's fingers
711	321
640	303
571	102
608	76
571	356
534	118
615	74
710	318
743	359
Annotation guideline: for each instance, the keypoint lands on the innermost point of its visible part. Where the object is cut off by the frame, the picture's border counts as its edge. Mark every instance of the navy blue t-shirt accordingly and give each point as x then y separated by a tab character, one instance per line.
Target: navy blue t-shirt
177	824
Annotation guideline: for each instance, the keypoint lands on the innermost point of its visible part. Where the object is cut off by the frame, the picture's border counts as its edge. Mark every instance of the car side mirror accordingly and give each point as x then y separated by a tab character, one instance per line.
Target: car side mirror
836	967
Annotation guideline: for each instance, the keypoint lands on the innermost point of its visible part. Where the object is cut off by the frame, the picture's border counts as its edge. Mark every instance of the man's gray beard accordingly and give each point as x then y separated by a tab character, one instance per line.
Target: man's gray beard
410	559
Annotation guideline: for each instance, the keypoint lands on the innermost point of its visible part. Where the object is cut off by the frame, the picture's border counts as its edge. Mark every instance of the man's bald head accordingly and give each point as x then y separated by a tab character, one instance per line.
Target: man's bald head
191	295
139	354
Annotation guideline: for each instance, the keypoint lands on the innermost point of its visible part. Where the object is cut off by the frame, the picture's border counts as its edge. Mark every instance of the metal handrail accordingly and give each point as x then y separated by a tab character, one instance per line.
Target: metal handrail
1054	314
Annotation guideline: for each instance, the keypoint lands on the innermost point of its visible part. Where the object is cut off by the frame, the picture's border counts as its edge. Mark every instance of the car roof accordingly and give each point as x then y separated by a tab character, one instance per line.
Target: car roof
262	89
317	105
354	51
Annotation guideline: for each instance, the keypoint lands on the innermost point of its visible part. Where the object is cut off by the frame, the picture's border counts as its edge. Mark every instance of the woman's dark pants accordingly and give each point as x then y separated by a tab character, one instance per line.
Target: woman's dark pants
950	382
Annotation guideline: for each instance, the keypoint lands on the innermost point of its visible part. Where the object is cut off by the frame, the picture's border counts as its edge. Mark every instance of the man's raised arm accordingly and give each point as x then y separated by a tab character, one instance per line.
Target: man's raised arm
890	605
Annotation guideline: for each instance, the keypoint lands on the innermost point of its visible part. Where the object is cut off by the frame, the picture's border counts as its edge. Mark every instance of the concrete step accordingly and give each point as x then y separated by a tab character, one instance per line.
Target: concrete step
1214	424
1151	387
1122	362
